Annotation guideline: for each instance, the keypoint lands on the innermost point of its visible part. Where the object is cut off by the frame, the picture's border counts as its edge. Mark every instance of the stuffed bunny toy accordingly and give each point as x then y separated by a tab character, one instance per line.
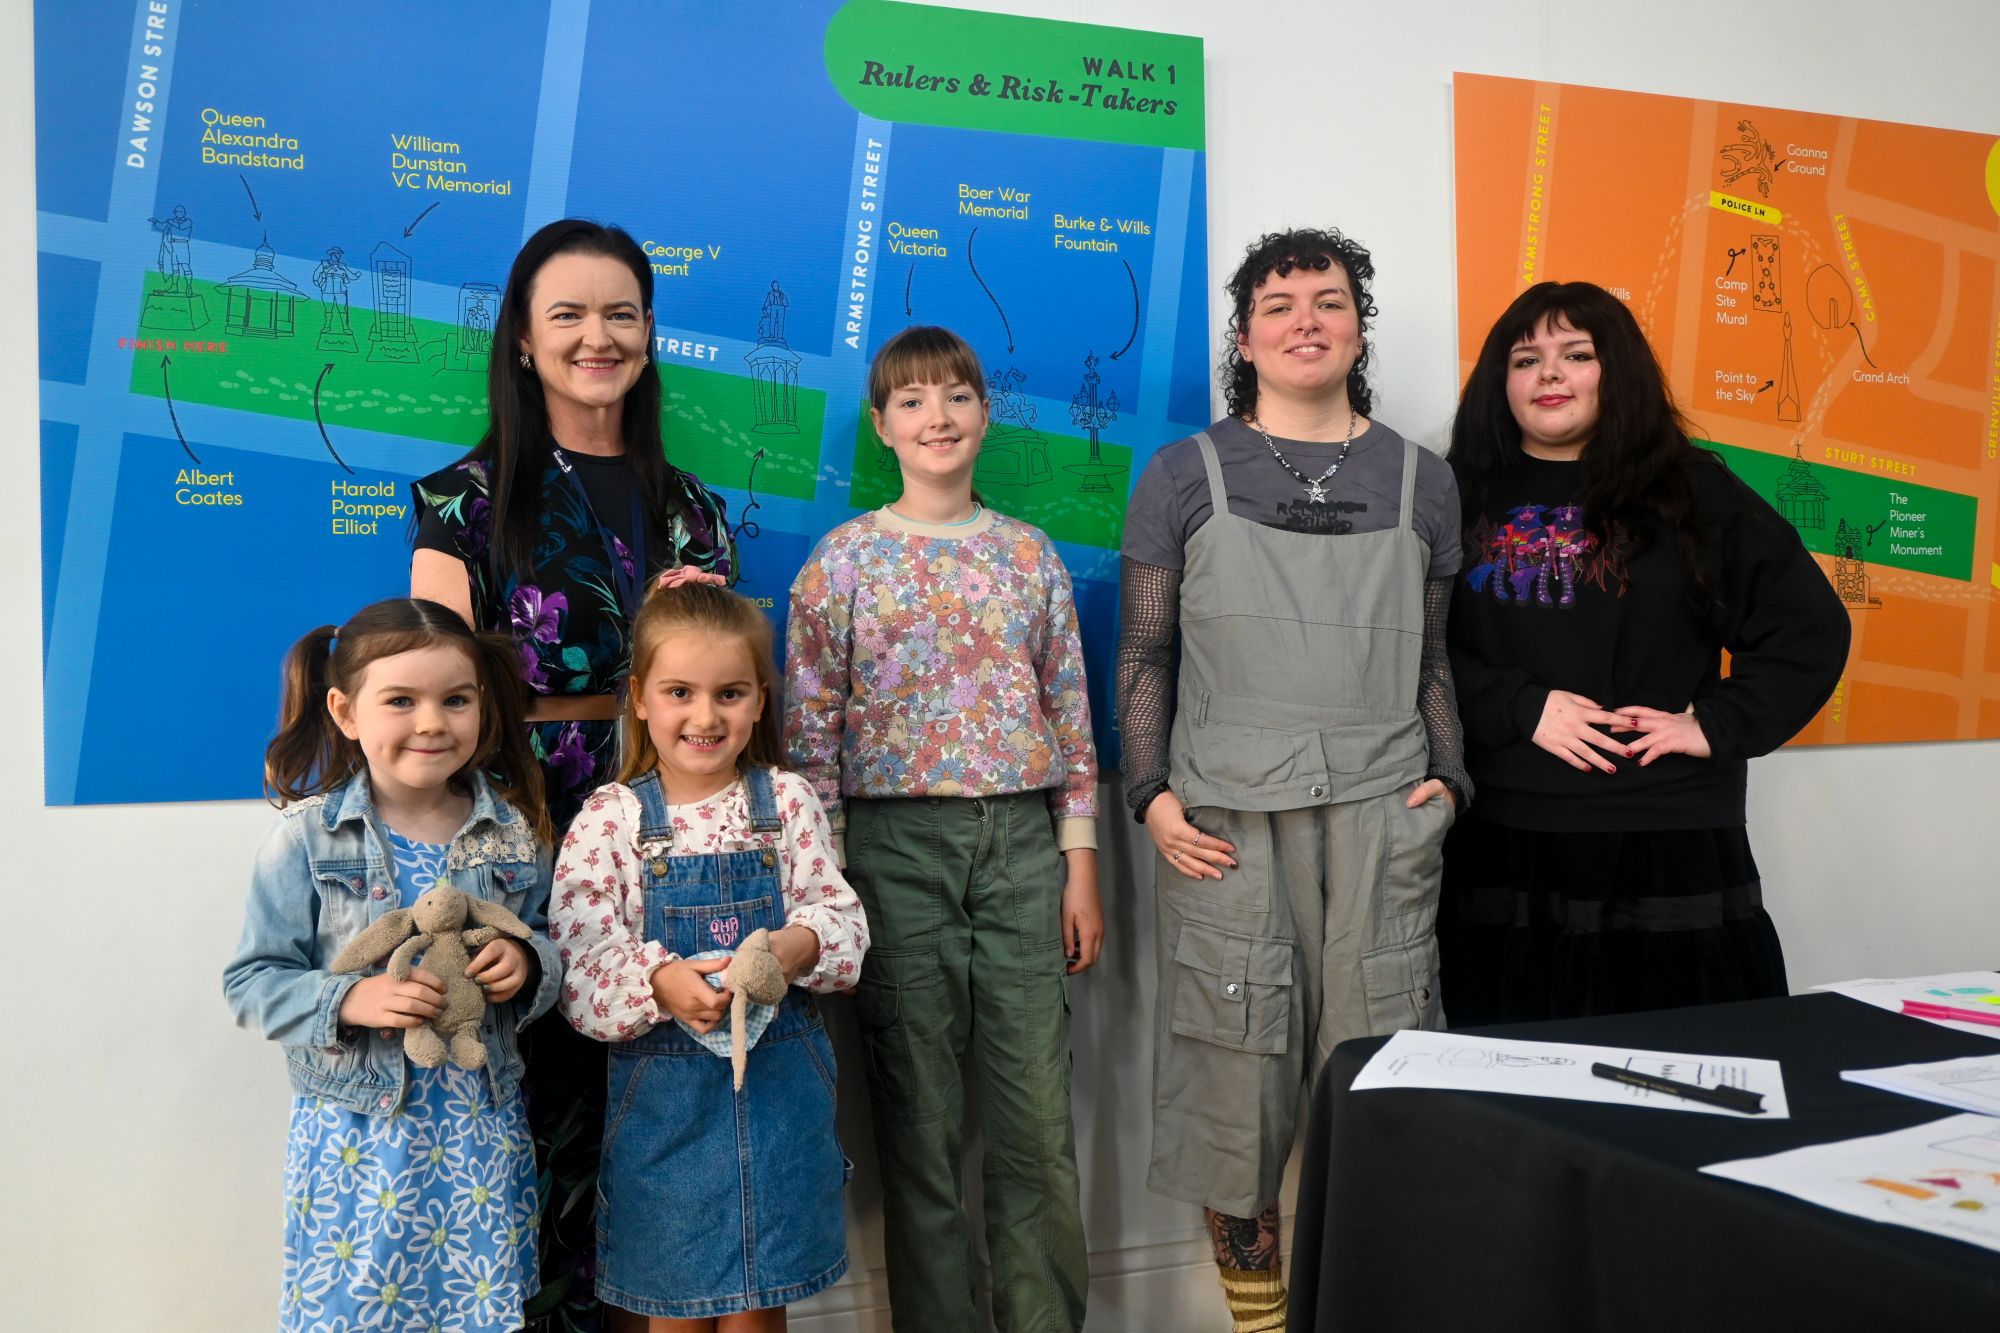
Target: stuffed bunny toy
753	976
435	927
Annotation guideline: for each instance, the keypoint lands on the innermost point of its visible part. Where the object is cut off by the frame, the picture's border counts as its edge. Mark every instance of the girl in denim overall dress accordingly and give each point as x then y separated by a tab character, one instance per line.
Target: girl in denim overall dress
410	1192
938	705
717	1207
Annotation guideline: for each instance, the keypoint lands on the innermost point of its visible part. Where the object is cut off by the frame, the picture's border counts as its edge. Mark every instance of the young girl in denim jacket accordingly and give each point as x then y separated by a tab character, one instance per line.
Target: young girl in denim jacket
937	702
410	1194
718	1206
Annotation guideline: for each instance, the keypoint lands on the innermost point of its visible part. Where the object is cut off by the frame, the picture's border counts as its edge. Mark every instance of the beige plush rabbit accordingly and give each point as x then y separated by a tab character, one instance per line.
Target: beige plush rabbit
435	927
753	975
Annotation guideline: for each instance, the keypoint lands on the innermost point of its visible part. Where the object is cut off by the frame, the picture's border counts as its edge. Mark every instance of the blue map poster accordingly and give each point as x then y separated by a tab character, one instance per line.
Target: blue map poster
271	242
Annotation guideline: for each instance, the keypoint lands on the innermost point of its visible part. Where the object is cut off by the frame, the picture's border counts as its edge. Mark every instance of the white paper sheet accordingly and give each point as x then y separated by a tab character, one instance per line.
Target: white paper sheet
1960	990
1943	1177
1465	1063
1971	1084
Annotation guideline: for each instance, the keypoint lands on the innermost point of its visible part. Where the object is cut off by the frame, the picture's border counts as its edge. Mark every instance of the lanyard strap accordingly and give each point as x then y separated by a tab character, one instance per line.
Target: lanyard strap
631	586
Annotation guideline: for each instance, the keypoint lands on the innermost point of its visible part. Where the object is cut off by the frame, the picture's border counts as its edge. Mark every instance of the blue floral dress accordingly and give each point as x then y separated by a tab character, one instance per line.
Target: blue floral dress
571	629
419	1221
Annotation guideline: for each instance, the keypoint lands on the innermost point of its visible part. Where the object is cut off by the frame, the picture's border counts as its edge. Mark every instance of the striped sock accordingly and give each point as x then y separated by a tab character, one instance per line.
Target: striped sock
1256	1300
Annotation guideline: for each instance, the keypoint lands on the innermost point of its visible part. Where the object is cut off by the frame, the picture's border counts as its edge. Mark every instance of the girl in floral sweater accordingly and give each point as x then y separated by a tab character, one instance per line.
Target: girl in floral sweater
938	707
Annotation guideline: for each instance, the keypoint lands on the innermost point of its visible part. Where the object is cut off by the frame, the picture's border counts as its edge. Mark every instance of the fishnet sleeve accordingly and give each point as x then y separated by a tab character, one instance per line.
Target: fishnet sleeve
1149	617
1437	695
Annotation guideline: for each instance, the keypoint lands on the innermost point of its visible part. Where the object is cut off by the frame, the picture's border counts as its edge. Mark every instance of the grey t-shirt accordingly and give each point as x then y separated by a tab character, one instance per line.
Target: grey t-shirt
1171	500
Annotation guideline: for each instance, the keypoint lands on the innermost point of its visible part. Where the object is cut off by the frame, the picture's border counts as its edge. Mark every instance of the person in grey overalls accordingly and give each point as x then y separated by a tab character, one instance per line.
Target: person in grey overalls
1298	759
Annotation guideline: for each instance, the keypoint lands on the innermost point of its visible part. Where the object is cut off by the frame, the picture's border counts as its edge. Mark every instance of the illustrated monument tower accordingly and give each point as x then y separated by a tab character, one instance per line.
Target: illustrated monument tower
175	304
1088	413
1850	572
774	367
336	325
1015	453
471	342
394	337
262	301
1788	379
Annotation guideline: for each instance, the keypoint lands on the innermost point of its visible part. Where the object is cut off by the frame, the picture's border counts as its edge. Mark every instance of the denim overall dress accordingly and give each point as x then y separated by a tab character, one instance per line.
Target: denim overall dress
1297	739
712	1201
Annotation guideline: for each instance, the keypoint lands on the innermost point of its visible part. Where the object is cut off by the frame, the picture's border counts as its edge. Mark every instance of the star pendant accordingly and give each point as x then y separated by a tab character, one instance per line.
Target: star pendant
1315	492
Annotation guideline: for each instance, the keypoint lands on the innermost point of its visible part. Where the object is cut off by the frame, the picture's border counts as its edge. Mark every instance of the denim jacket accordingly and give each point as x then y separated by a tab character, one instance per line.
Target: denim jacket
322	876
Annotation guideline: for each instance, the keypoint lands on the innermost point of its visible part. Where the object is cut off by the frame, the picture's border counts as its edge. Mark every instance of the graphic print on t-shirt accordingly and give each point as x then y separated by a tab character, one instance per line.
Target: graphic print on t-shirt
1321	517
1539	555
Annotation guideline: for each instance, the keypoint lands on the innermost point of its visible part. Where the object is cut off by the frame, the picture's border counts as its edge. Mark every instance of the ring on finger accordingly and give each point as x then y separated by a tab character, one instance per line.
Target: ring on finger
1175	858
1197	837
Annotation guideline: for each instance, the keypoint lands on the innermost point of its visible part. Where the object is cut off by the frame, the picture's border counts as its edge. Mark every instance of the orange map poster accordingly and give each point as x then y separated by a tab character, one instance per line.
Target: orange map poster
1823	294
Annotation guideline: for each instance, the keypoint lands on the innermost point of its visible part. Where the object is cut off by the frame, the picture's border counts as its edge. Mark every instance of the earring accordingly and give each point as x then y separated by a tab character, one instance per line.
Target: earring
645	358
526	361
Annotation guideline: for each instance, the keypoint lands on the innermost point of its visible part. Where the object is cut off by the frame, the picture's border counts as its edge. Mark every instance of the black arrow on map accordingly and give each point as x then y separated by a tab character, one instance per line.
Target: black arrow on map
1767	384
1135	311
255	212
747	530
166	361
1877	528
322	425
419	218
906	288
1863	344
988	290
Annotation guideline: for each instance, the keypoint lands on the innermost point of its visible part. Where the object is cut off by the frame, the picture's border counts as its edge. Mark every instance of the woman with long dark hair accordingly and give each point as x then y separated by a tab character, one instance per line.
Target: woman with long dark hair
1609	563
551	530
1290	738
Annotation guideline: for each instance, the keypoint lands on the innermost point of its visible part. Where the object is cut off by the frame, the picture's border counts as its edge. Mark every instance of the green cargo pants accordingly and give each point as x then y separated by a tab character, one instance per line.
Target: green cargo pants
964	912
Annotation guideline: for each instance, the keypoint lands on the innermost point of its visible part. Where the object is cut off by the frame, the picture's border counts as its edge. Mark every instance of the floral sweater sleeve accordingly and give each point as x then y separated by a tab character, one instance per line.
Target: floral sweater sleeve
817	663
1066	703
597	915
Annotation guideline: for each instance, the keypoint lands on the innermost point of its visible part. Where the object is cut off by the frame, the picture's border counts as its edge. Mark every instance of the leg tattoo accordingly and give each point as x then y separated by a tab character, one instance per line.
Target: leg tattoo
1246	1243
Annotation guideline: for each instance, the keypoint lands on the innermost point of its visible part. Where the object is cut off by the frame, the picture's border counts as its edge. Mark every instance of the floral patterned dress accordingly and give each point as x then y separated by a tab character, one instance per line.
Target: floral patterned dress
567	618
424	1219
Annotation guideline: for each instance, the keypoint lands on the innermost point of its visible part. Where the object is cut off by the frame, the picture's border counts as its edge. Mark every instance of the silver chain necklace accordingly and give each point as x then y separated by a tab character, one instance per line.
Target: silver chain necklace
1314	491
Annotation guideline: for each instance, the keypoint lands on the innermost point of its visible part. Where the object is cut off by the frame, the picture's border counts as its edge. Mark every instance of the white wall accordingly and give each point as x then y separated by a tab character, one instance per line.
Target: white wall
145	1134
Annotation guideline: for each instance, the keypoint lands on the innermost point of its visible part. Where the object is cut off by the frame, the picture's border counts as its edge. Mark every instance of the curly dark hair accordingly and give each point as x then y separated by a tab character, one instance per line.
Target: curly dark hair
1280	252
1637	474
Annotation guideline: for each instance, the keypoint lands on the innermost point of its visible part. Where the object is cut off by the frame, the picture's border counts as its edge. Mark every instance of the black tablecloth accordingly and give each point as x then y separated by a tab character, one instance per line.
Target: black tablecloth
1449	1210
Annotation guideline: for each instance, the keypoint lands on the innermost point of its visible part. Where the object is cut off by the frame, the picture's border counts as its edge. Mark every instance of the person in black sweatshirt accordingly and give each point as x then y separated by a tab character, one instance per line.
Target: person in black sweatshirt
1609	563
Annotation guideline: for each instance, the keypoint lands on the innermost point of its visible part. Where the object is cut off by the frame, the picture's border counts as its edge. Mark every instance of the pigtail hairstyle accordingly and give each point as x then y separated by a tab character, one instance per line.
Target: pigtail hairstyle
310	755
1636	481
1280	252
712	610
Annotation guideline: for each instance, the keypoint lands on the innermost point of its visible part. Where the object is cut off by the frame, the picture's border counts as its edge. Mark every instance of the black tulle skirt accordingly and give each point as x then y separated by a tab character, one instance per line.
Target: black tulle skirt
1535	925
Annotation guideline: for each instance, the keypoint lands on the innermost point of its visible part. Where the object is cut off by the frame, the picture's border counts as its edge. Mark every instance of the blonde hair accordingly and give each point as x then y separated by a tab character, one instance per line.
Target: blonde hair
716	612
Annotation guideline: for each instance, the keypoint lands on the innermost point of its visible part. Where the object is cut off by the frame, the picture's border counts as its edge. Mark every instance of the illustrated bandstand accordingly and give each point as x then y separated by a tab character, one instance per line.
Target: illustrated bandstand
262	301
774	369
1801	498
394	336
